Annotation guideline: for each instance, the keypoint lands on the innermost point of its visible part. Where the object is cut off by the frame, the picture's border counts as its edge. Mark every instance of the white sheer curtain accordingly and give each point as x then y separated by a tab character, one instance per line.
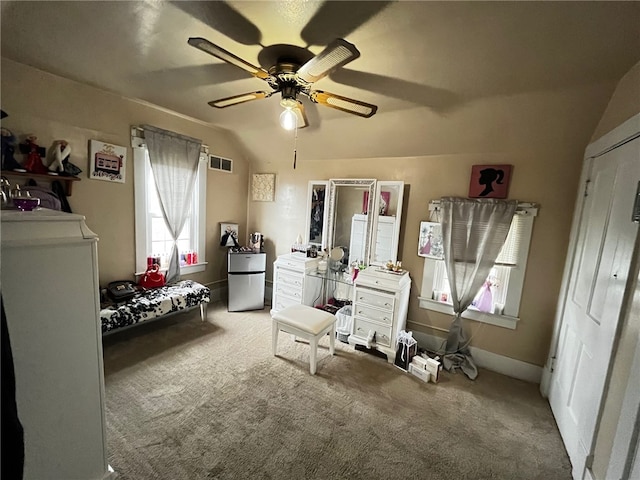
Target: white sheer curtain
473	232
174	163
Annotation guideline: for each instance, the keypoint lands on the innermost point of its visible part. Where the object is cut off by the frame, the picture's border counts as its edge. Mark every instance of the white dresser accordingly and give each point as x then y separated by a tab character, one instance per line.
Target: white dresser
51	297
380	307
291	285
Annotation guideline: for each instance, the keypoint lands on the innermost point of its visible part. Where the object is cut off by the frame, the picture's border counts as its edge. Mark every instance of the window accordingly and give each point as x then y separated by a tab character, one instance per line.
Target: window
152	236
498	301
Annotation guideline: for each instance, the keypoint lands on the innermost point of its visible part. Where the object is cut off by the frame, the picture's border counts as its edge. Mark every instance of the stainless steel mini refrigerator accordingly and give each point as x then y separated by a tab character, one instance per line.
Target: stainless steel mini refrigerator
246	278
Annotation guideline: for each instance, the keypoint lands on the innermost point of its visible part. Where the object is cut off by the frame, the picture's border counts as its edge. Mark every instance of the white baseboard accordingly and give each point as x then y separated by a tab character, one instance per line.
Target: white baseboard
484	359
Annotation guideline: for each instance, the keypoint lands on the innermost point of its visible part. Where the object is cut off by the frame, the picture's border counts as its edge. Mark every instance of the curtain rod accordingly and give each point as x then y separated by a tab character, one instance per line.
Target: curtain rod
524	208
137	140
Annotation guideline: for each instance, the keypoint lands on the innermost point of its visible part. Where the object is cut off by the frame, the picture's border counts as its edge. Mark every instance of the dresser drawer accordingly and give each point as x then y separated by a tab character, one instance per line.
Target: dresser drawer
382	316
291	279
361	329
296	261
375	299
383	280
292	291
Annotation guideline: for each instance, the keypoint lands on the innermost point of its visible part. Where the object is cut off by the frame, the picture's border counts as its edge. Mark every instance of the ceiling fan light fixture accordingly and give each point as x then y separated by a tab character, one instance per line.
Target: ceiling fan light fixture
288	102
288	119
292	80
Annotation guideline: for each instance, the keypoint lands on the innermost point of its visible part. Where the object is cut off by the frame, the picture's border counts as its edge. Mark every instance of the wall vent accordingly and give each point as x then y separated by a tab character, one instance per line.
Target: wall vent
220	163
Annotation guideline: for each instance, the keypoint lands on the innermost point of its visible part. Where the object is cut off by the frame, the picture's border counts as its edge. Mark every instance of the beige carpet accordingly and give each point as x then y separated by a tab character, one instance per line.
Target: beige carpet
206	400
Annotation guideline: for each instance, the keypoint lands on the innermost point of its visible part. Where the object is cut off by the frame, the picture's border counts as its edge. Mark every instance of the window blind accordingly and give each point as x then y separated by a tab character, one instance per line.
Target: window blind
510	251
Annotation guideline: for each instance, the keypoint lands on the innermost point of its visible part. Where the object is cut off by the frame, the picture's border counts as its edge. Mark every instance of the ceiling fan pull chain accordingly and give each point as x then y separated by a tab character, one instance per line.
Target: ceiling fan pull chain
295	148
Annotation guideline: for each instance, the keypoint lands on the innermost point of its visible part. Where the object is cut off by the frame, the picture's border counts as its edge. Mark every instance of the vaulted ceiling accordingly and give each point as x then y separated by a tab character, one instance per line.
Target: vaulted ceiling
421	63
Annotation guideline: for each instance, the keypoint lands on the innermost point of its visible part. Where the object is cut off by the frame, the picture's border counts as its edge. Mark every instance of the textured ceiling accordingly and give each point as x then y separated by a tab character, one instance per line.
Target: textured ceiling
418	59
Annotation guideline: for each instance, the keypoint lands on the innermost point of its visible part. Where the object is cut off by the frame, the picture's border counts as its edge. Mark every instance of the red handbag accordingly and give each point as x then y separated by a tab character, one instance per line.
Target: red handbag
152	278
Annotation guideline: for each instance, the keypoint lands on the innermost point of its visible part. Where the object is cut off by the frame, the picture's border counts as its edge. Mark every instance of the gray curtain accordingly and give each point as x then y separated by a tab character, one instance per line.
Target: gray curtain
174	162
473	232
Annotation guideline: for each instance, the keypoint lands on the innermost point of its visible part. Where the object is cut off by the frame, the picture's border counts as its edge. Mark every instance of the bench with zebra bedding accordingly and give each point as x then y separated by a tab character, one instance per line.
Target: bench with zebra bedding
155	303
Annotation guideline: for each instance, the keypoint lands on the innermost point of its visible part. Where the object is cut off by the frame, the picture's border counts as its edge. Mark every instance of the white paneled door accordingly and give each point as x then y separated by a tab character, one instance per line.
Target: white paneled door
599	271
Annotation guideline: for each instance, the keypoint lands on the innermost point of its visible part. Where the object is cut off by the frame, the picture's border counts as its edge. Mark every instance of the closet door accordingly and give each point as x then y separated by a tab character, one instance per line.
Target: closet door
596	289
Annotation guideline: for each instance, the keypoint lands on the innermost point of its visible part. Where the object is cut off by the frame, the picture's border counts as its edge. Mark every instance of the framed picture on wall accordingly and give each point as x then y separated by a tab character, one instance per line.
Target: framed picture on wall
430	243
229	235
263	187
489	181
107	162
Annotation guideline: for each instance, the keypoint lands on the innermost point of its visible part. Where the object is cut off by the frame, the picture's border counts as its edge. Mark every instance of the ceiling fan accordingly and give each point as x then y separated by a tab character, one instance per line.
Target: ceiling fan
291	79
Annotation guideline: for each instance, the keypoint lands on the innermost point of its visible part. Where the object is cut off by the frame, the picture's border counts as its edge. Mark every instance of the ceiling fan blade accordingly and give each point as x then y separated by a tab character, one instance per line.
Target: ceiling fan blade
301	117
219	52
237	99
345	104
338	53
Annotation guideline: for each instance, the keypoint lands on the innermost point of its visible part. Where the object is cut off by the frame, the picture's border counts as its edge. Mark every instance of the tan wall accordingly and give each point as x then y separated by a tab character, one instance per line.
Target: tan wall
624	104
542	134
54	108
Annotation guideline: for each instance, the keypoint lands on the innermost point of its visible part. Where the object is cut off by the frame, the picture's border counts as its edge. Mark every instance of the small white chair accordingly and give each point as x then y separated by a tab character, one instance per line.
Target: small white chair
308	323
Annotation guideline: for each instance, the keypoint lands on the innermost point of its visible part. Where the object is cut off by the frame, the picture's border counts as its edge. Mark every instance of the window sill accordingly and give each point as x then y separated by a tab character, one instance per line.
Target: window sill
504	321
194	268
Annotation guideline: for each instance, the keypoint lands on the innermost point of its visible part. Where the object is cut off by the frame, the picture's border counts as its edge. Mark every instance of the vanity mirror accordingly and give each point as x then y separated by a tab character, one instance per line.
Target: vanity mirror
317	210
386	222
350	209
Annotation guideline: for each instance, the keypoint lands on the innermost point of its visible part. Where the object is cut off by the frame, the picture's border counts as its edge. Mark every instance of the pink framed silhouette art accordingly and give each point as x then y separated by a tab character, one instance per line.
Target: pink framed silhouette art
489	181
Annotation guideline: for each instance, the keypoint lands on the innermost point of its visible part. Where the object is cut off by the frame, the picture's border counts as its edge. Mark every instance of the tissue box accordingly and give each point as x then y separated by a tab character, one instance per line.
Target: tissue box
434	367
420	362
419	372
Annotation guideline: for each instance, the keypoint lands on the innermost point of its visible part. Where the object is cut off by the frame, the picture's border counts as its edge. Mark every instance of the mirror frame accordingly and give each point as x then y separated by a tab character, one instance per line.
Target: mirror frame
334	183
380	186
312	184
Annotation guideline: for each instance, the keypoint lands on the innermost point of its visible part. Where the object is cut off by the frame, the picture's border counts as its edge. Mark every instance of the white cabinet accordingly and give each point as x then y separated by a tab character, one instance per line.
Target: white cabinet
384	235
51	297
291	285
380	307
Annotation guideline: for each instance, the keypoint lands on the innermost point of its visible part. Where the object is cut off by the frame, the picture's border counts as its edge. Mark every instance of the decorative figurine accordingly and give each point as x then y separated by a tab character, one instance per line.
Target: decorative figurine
61	151
7	149
34	155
